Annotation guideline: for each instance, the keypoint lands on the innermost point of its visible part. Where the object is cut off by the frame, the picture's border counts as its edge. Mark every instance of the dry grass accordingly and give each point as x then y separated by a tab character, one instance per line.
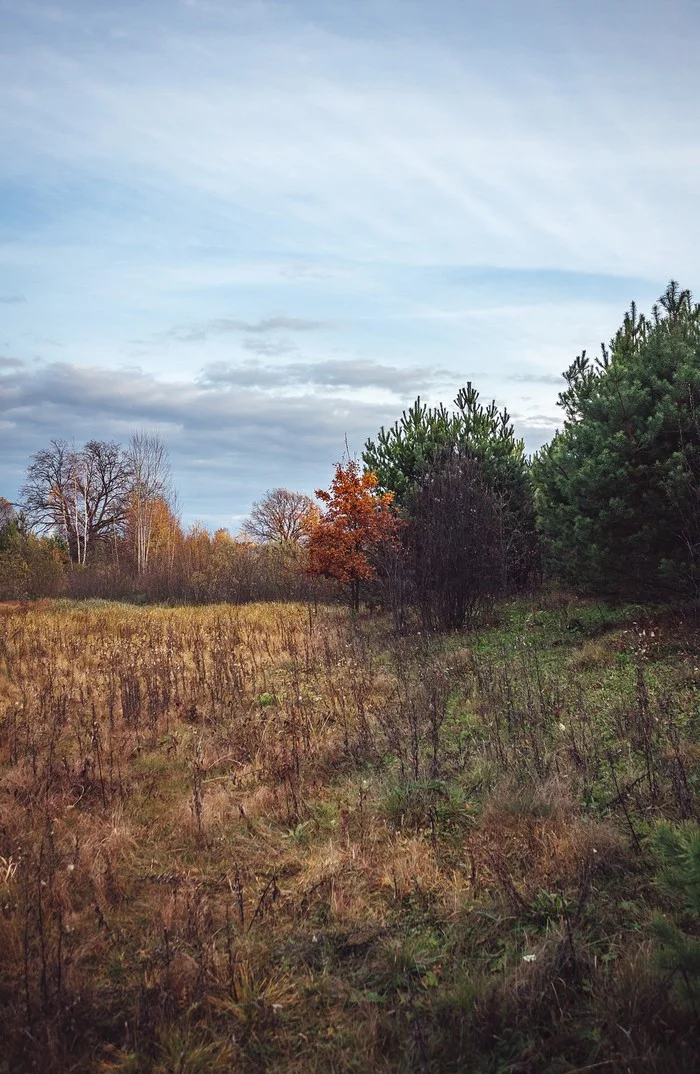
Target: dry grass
261	838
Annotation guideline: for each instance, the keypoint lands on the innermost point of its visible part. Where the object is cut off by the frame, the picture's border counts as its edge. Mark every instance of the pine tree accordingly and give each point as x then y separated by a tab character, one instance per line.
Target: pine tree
618	489
679	851
403	455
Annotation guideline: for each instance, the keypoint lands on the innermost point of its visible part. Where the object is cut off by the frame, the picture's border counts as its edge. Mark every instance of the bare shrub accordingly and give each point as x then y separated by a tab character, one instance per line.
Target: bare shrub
455	544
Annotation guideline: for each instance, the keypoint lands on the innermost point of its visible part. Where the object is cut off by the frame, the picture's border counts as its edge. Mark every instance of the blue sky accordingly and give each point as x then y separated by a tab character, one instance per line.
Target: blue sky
260	228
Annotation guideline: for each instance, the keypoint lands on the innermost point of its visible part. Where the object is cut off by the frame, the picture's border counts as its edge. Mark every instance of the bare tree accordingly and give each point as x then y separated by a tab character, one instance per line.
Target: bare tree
80	493
279	516
456	555
151	486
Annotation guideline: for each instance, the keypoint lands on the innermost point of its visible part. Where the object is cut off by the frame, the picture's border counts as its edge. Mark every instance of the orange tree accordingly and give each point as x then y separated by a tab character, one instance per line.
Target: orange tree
357	520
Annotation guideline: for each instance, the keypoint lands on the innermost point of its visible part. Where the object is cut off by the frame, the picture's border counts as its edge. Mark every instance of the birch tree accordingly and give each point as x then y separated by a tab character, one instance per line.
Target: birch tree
79	493
151	487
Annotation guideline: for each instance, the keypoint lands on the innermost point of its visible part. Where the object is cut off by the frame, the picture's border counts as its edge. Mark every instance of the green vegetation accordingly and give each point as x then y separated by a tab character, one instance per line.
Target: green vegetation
680	852
434	458
402	454
618	488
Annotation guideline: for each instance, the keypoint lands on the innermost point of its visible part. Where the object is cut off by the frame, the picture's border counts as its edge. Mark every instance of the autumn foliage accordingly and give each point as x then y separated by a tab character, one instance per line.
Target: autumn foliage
356	522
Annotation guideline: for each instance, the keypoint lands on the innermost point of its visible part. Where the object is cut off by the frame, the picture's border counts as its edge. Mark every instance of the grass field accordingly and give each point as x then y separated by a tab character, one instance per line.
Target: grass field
274	838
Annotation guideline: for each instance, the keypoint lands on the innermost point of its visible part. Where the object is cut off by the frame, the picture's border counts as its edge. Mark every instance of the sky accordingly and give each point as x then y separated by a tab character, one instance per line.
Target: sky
261	229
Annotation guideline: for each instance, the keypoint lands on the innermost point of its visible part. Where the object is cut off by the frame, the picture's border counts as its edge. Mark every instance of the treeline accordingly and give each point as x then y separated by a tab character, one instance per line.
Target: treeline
446	515
193	567
610	507
102	521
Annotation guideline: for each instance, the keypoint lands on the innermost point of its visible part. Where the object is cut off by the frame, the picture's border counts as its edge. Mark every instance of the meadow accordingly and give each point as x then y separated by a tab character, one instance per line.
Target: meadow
279	837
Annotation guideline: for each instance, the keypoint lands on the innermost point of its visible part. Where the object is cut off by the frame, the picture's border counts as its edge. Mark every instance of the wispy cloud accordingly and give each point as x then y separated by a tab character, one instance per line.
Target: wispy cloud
11	300
340	373
547	421
270	348
197	333
313	272
291	143
536	378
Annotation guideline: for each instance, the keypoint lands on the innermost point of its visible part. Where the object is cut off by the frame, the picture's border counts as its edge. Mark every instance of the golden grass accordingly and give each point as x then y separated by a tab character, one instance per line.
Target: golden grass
199	869
157	768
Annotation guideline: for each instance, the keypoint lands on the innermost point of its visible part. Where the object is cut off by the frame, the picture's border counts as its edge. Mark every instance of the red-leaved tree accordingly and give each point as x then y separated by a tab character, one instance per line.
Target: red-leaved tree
356	522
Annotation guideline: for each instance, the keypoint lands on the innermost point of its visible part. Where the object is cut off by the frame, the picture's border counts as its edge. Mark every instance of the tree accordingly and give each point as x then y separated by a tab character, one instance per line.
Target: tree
11	526
29	566
454	542
82	494
14	572
7	512
618	488
358	518
281	515
678	848
403	454
165	536
150	484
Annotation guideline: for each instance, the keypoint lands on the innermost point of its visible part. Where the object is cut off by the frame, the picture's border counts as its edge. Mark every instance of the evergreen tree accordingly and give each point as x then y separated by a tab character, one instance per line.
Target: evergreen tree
404	454
618	488
679	851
